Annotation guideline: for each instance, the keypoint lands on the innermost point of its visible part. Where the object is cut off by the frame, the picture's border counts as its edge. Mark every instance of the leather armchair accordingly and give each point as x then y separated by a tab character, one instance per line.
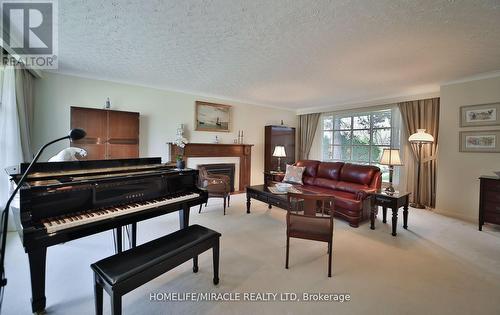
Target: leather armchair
217	186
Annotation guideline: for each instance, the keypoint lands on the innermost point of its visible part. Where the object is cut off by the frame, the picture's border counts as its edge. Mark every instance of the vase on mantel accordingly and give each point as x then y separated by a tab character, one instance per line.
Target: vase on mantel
180	164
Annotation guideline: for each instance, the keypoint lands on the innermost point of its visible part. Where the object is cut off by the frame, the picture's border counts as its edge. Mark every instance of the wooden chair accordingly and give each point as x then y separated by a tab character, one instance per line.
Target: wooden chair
309	225
217	186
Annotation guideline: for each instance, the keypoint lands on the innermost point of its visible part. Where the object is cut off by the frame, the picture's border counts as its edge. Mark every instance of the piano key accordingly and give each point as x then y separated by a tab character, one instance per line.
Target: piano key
56	224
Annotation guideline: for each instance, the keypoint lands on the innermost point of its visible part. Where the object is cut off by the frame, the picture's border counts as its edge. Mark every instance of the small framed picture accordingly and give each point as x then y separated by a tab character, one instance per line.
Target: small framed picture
480	141
212	117
480	115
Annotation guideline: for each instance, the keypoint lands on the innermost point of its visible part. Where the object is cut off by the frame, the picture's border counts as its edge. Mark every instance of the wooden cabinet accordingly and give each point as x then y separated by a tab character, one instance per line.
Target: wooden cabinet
110	134
278	135
489	200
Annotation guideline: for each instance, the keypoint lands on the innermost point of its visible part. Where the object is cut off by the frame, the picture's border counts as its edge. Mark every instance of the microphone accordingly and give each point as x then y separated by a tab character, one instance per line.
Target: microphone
74	134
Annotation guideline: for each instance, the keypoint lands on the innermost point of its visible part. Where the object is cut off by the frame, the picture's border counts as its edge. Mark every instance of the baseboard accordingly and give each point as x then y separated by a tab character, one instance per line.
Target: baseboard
456	215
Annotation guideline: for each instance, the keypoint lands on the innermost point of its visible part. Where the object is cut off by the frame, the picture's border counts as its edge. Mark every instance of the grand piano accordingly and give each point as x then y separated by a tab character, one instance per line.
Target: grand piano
63	201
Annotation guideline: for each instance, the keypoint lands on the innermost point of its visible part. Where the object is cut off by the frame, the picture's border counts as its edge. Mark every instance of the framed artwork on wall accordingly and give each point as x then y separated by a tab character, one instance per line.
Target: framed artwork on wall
480	141
480	115
212	117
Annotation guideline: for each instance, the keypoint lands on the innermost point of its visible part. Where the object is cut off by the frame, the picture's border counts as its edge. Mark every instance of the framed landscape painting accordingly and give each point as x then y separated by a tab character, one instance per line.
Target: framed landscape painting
212	117
480	141
480	115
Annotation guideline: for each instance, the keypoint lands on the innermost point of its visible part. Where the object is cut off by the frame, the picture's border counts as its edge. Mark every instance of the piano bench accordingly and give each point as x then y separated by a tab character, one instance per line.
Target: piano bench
128	270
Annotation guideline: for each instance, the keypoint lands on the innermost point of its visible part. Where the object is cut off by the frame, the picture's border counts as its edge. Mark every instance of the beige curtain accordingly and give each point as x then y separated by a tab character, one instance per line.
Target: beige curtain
421	114
24	100
308	124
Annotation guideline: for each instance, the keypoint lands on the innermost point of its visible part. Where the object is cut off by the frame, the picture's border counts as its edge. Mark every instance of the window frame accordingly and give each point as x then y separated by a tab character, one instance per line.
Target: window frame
394	137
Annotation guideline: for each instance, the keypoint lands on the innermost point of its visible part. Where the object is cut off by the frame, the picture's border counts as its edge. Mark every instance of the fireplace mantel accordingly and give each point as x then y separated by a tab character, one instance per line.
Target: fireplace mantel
241	151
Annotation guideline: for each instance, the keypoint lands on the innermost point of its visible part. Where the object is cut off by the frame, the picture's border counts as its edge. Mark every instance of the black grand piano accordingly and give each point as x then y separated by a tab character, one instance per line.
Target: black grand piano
63	201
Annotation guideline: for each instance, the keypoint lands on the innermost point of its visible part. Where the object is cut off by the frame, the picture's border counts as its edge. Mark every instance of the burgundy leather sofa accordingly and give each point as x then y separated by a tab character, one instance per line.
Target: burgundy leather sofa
349	184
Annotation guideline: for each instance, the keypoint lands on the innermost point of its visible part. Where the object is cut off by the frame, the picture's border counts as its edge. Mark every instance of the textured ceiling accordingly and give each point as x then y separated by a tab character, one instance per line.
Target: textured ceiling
293	54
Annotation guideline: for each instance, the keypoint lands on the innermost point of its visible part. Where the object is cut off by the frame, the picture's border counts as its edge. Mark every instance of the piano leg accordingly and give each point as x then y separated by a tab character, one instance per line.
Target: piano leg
37	260
118	239
184	216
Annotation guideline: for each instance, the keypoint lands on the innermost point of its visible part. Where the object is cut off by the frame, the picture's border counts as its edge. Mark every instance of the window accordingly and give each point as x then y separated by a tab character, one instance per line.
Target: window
360	137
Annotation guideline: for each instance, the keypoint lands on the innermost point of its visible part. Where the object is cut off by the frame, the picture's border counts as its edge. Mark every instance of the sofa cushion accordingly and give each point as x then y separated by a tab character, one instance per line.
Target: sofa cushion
317	190
325	182
310	165
350	187
347	203
308	180
342	199
294	174
359	174
330	170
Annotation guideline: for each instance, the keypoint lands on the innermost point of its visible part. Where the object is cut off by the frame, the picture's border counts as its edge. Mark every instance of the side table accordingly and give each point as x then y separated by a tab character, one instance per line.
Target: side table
393	201
273	176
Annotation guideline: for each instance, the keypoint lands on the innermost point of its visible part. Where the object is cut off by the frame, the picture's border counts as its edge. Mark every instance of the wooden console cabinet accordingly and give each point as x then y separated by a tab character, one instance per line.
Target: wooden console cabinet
489	200
111	134
278	135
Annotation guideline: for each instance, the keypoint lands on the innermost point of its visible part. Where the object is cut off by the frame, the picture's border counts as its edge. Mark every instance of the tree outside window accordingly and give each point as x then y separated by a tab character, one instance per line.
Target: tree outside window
358	138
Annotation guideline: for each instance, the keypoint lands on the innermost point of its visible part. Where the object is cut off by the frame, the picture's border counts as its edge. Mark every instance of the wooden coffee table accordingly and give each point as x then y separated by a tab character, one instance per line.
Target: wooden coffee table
262	193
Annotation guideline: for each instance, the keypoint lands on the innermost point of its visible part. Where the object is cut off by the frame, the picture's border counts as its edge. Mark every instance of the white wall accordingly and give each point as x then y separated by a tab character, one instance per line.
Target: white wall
457	173
161	113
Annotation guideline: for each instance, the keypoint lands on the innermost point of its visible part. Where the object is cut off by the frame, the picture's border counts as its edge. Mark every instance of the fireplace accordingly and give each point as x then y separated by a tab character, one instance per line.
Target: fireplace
243	152
221	169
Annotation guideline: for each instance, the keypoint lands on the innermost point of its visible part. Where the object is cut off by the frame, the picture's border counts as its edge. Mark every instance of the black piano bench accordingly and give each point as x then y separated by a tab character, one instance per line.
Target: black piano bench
128	270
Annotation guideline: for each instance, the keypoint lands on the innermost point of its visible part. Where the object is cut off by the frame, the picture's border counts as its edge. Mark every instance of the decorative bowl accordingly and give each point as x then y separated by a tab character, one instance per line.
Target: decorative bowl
283	186
497	173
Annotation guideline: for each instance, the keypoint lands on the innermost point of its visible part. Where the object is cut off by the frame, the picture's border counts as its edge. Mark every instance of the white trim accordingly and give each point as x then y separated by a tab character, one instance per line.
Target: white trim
161	88
358	110
480	76
305	110
368	103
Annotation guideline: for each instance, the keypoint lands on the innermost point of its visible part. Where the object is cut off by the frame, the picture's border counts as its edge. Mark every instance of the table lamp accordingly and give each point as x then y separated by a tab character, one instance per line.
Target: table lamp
279	152
390	157
419	138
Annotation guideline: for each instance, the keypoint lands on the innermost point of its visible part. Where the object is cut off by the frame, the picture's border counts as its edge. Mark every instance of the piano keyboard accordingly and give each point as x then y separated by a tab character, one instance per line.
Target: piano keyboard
64	222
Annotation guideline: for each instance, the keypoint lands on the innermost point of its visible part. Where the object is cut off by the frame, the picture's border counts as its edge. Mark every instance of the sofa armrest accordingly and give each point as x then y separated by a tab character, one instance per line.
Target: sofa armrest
363	194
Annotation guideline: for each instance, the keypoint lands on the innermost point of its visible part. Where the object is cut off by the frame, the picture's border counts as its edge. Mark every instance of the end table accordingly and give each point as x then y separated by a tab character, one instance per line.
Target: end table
273	176
393	201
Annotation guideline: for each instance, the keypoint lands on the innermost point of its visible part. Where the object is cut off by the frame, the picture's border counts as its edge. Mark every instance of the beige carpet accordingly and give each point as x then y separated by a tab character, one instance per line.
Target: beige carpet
438	266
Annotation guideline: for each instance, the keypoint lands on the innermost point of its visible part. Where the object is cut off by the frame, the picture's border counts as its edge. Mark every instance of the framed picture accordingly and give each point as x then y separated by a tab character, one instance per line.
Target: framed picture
480	115
480	141
212	117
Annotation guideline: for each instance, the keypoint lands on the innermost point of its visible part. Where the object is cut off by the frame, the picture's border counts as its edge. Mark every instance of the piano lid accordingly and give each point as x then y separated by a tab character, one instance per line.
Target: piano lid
48	170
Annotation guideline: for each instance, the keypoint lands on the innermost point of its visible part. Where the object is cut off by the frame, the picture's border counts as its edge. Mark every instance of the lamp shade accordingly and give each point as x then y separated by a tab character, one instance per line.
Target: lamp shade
421	136
279	151
390	157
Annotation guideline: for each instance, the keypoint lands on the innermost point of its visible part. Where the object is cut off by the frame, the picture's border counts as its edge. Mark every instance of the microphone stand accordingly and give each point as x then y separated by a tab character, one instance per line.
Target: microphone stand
5	213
